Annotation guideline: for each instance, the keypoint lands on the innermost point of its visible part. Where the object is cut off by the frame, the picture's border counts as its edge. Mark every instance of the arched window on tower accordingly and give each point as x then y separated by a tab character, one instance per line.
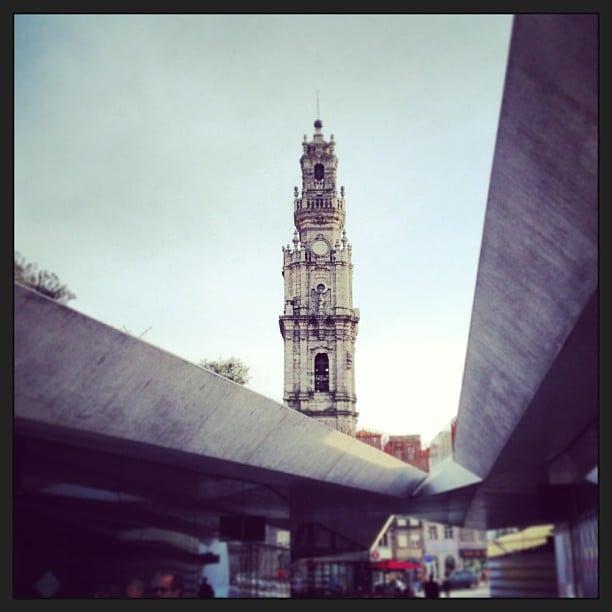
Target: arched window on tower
318	172
321	372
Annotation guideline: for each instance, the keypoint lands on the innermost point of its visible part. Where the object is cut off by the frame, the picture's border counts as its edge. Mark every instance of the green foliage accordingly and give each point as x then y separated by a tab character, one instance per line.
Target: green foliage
43	281
231	368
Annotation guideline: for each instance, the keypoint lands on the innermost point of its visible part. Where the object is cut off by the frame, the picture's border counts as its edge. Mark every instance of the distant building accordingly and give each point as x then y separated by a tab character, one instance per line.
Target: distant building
408	449
447	547
372	438
441	447
473	549
407	539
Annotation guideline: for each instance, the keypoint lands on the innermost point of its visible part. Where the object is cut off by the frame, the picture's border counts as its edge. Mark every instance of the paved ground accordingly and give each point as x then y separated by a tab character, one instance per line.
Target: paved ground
479	591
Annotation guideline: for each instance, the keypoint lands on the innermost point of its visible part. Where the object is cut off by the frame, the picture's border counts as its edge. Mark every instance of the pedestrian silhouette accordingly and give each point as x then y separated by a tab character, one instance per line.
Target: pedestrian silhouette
446	584
431	588
206	591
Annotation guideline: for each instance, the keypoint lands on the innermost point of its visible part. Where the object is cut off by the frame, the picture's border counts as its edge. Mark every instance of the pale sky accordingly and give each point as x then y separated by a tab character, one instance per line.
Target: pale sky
155	160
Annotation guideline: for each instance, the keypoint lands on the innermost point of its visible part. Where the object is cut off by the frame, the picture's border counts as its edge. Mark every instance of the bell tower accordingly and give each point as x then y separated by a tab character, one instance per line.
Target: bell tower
319	323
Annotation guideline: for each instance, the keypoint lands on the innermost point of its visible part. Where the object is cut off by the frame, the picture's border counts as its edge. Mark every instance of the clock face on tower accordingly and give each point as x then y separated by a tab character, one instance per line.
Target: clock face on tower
319	247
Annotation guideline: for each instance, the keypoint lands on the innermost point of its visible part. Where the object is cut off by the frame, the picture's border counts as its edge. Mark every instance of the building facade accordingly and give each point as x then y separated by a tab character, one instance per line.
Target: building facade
448	548
439	548
319	324
372	438
441	447
408	449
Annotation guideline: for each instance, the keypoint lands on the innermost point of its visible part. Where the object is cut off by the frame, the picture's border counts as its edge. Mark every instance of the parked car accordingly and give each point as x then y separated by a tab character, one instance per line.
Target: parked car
463	579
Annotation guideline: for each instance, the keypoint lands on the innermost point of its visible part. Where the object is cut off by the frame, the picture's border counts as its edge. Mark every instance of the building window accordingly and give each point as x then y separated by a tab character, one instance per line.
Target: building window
402	540
448	532
401	522
321	372
433	532
318	172
415	540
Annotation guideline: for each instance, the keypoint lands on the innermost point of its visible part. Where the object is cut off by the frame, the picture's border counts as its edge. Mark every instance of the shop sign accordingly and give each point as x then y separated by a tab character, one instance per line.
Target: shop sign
473	553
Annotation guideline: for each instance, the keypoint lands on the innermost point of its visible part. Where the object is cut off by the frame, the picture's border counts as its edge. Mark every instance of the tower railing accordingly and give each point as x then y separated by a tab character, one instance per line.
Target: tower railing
333	202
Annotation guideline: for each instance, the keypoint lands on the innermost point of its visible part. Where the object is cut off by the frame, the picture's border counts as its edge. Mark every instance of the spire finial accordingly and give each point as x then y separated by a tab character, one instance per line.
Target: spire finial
318	123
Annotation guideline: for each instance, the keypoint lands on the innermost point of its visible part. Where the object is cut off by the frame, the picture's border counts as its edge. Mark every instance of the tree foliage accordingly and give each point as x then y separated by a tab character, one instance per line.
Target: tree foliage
43	281
232	368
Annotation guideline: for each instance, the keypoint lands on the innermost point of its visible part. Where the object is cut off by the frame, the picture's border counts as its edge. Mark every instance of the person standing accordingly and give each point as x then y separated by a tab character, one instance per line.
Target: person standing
168	583
446	584
206	591
431	588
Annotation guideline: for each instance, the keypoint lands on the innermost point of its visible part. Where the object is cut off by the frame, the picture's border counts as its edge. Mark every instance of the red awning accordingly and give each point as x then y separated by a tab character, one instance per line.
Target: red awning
391	564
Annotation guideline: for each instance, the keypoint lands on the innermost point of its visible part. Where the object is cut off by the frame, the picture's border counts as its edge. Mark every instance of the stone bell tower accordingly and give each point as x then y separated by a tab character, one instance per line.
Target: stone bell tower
319	323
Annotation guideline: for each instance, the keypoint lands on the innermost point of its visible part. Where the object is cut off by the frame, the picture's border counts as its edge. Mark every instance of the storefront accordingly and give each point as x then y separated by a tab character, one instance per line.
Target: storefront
474	559
388	572
329	578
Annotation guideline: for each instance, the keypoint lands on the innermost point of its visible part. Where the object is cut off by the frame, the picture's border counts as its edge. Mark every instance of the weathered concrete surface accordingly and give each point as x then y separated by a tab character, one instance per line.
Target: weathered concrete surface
530	383
90	385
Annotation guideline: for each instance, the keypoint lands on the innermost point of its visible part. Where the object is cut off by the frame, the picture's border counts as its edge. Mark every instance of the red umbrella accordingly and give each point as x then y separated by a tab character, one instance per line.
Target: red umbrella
391	564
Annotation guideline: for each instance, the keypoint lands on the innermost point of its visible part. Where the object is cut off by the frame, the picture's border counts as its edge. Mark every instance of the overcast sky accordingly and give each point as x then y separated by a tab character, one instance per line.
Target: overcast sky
155	160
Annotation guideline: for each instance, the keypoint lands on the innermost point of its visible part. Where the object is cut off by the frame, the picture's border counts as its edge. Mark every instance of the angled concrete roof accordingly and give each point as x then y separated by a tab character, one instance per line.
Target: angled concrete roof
527	420
92	386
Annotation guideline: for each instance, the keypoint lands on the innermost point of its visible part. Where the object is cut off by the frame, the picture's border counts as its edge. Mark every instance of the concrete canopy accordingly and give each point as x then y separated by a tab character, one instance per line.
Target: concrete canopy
98	408
528	414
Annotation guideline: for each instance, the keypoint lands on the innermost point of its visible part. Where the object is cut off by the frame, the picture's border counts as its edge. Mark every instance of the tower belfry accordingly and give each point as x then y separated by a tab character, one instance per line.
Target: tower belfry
319	323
